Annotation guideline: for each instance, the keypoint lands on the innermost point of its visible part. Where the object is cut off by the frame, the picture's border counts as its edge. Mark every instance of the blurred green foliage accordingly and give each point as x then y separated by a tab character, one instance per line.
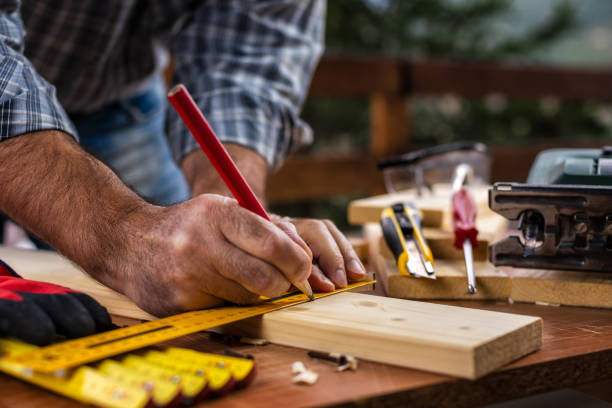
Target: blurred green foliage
449	29
436	28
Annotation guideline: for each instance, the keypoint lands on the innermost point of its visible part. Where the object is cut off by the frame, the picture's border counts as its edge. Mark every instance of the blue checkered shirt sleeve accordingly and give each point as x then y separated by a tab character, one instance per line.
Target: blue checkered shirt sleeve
248	65
27	102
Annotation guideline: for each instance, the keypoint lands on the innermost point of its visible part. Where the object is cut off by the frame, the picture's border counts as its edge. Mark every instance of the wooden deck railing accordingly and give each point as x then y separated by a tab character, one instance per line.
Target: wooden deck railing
389	83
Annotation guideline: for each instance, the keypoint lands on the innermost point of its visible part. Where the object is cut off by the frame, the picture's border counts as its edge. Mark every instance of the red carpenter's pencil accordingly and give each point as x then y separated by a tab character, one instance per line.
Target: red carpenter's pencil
216	152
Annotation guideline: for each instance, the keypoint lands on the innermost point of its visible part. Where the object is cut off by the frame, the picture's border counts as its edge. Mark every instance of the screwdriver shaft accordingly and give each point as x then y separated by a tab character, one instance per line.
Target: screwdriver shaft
464	217
469	266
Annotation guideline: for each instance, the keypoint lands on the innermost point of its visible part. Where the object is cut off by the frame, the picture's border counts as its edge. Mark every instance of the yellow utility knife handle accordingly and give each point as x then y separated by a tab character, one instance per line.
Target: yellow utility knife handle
416	219
395	236
394	239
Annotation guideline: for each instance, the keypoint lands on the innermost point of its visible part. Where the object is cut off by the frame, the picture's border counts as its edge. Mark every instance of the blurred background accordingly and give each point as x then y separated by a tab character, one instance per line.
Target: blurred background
520	76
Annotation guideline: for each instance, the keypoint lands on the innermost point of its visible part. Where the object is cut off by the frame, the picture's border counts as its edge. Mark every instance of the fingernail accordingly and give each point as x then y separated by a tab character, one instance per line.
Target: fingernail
340	278
356	267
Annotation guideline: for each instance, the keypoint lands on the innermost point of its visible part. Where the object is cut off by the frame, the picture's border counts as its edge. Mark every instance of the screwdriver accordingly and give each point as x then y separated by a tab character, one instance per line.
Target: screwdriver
464	217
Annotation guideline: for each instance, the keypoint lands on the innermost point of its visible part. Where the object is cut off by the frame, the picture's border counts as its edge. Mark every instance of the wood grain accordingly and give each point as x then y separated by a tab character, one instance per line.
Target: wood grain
353	75
463	342
389	124
576	350
435	206
561	287
450	282
451	279
49	266
521	285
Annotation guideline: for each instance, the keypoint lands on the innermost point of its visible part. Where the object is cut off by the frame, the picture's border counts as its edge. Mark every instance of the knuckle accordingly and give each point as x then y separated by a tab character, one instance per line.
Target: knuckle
319	227
270	244
181	242
328	223
270	283
264	282
287	226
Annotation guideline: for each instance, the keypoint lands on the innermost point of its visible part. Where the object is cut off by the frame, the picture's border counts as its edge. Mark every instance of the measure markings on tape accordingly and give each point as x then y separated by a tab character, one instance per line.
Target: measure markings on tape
98	346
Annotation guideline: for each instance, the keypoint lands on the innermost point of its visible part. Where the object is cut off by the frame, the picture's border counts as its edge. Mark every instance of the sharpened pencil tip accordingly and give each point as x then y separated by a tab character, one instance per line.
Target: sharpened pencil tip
311	297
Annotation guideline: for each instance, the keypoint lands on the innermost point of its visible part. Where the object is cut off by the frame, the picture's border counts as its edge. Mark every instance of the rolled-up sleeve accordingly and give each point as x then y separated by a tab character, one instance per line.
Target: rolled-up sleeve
248	65
27	102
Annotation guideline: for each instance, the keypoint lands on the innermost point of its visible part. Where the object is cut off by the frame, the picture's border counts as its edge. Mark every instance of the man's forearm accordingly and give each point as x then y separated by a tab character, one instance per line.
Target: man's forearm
203	178
66	197
166	259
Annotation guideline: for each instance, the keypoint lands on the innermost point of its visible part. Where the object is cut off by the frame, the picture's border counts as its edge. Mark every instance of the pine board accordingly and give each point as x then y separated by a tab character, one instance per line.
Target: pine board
521	285
49	266
434	206
450	283
457	341
561	287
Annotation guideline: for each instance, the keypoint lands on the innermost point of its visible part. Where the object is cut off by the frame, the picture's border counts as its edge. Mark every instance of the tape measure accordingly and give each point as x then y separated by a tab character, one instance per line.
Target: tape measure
84	350
160	377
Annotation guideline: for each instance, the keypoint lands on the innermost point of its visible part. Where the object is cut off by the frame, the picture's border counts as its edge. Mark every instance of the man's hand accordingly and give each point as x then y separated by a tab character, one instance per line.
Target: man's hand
334	259
333	255
165	259
207	245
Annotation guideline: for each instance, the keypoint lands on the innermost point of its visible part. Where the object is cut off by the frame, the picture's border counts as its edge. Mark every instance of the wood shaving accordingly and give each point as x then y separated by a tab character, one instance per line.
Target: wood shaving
254	342
548	304
302	374
298	367
307	377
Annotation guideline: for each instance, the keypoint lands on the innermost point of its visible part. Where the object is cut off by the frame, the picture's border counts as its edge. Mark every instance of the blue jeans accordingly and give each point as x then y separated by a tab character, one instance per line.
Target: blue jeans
129	137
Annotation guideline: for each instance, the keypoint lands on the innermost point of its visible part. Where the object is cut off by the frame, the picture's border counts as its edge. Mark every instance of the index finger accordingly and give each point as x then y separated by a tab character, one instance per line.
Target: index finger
262	239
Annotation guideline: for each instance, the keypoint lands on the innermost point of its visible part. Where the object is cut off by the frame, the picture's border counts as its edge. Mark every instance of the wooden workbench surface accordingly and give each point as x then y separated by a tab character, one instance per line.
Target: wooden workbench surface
577	349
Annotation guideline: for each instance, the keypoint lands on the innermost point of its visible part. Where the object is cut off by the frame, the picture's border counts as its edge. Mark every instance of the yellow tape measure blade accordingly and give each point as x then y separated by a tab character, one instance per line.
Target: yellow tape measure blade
98	346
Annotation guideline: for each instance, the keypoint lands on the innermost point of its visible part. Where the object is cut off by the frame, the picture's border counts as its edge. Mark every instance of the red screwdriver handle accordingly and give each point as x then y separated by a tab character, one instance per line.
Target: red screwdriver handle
464	216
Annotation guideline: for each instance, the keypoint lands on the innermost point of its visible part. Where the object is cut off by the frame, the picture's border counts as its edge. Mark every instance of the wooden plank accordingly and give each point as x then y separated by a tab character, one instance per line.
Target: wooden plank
350	75
49	266
521	285
473	79
561	287
435	206
360	246
569	356
389	127
451	340
342	75
450	283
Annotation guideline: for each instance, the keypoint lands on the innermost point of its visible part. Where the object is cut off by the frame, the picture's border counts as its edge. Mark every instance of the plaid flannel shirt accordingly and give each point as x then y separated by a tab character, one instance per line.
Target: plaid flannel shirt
246	62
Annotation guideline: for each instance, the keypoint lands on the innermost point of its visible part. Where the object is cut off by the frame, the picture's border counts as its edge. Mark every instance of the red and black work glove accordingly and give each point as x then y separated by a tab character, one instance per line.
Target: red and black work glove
40	312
